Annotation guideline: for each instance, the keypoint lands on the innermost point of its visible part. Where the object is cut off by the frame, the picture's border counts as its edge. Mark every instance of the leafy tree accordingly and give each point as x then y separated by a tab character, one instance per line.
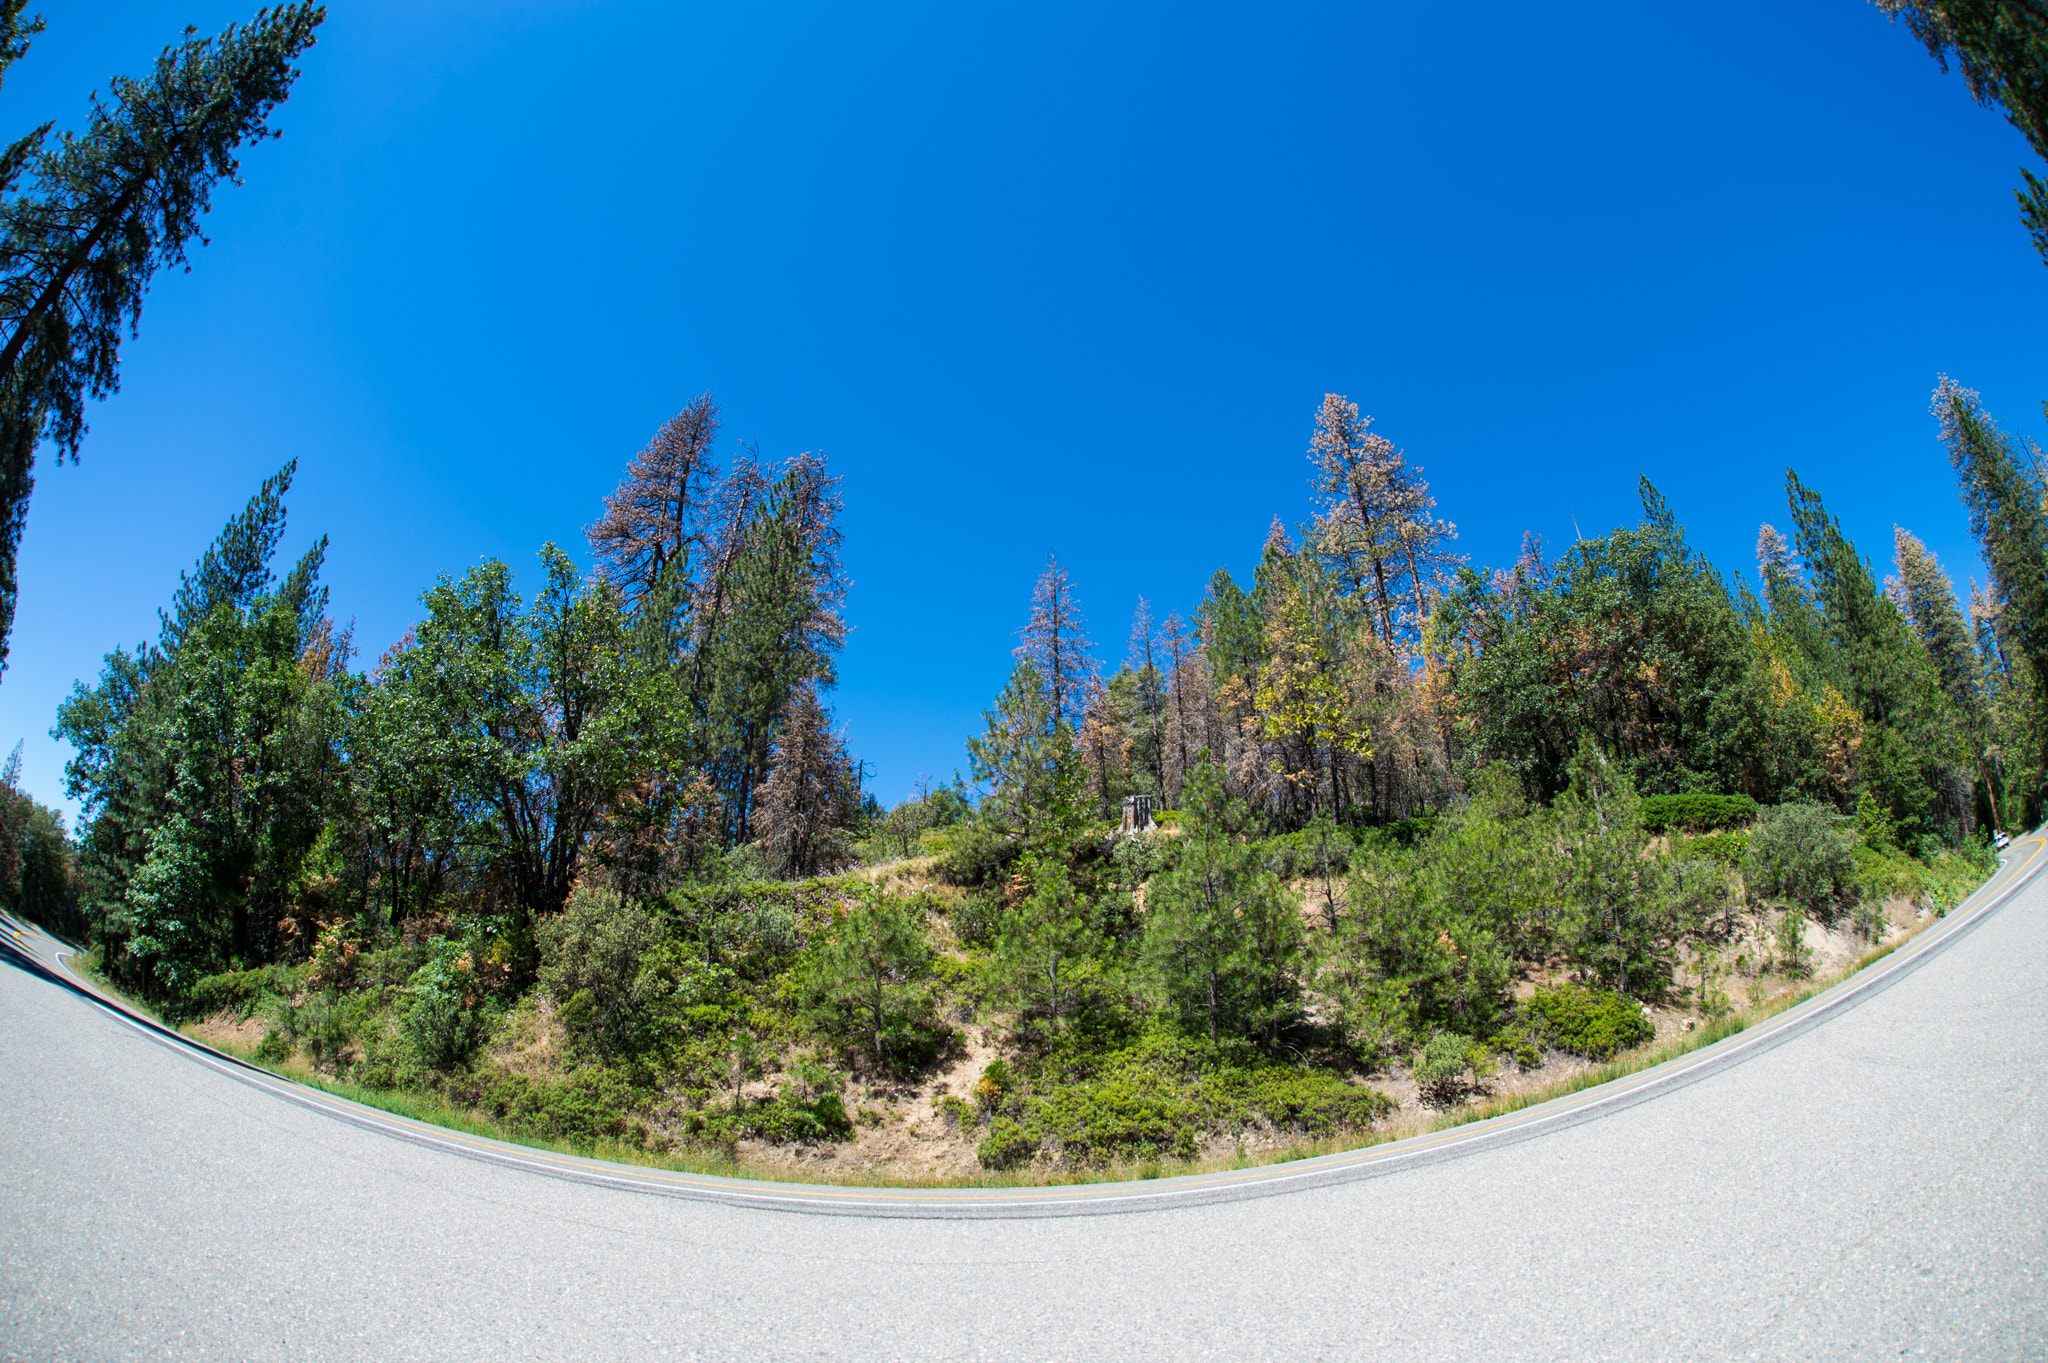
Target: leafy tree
1222	935
100	214
538	718
1632	640
209	765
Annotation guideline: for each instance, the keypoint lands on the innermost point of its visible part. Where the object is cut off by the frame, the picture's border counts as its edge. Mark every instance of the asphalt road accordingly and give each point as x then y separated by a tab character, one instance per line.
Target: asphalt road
1865	1180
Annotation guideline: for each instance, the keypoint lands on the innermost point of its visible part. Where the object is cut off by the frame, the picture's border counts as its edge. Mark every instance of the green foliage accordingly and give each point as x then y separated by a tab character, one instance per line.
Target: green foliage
1406	962
1696	813
1161	1096
1789	939
1223	938
868	981
1595	1023
1625	927
980	851
537	717
1802	854
1050	961
1440	1069
104	210
442	1022
607	963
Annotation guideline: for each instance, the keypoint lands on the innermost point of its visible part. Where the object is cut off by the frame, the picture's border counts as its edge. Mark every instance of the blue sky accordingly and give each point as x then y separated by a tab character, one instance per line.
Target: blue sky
1037	279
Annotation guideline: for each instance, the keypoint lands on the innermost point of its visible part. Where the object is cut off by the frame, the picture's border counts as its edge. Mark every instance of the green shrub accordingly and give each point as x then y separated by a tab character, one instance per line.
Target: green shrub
442	1025
1730	847
977	919
1802	854
236	991
600	962
1439	1071
995	1084
1696	813
275	1046
1006	1145
1595	1023
954	1112
1306	852
869	983
1159	1096
1523	1040
979	852
806	1109
1794	957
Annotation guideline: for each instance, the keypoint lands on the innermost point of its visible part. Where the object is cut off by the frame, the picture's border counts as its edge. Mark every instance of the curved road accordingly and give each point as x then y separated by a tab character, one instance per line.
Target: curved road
1863	1178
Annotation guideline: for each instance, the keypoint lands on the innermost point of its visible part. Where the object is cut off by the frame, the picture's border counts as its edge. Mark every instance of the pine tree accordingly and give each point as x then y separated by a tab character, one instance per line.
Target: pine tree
2002	48
1223	936
653	523
1909	733
1050	961
1055	644
811	796
103	212
1923	591
1377	528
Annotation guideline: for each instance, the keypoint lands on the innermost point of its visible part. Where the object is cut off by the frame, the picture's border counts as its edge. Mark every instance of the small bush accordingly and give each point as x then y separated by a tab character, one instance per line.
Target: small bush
1696	813
1595	1023
236	991
275	1046
1006	1145
994	1085
1439	1071
807	1110
977	919
1794	958
979	852
953	1111
1802	854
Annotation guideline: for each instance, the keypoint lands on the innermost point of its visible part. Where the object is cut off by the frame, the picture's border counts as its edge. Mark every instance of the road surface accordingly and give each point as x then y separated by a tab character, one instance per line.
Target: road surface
1864	1179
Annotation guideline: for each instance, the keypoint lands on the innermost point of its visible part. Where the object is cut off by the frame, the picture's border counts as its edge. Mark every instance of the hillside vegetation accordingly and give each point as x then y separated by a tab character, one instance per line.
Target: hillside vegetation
1369	838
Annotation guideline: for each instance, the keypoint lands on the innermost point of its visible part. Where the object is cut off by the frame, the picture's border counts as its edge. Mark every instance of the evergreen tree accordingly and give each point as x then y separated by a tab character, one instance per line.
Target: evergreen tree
1910	734
1923	591
1050	960
811	796
2002	48
102	212
1056	646
1222	936
653	523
